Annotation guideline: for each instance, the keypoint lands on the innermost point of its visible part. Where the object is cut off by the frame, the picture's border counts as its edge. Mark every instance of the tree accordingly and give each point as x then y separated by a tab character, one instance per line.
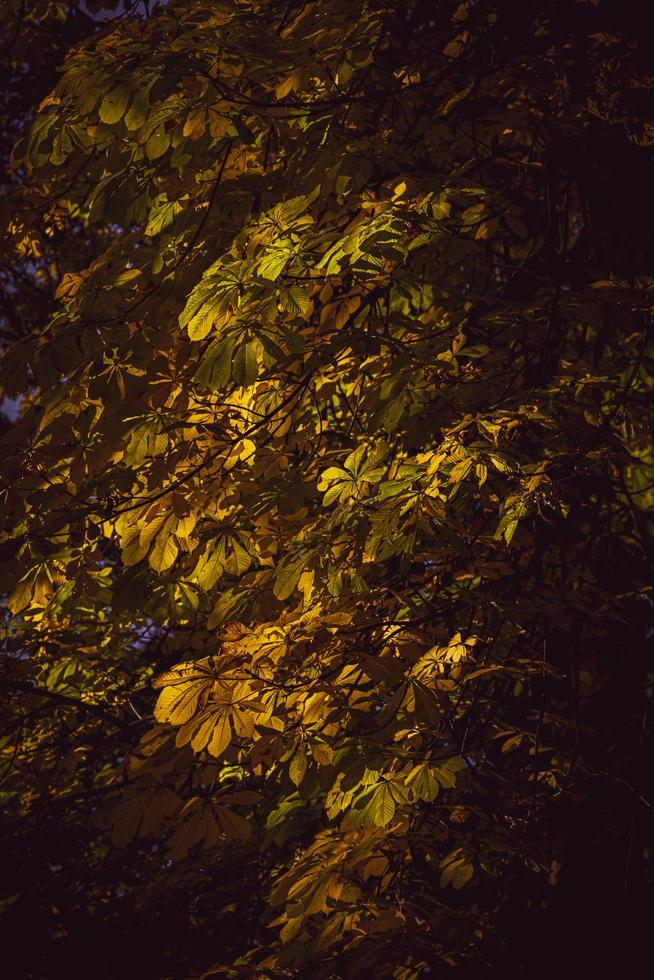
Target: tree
337	443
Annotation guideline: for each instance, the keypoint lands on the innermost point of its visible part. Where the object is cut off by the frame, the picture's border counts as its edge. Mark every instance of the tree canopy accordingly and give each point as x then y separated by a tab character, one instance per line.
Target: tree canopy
327	492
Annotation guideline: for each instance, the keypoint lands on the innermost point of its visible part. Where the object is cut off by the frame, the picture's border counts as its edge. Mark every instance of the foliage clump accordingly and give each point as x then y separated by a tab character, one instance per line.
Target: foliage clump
327	513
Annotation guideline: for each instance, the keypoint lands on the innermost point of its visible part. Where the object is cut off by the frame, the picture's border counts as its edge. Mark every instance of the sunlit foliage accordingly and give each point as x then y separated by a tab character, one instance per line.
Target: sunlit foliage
327	513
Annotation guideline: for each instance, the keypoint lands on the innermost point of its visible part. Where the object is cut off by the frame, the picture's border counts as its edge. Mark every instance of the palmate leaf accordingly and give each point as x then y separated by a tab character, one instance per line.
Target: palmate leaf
197	825
375	808
423	782
183	690
233	824
178	704
209	729
457	870
143	815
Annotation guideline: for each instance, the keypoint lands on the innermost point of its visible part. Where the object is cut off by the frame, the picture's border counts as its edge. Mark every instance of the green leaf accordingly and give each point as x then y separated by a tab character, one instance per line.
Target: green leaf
246	365
457	870
138	110
380	808
114	105
211	564
287	576
423	782
242	558
164	552
157	144
162	214
272	266
215	370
